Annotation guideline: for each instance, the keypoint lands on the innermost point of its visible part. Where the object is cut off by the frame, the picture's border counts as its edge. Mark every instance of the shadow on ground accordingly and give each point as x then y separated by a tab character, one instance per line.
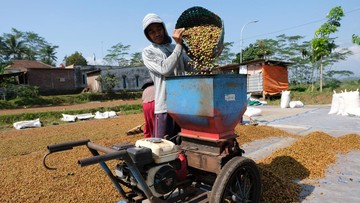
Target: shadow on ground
280	180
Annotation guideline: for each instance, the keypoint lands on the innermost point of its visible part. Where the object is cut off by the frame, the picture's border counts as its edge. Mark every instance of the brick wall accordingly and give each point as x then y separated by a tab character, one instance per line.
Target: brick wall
52	80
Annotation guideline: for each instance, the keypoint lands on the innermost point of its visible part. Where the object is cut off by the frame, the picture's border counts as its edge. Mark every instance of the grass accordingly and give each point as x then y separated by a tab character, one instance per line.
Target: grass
28	102
50	117
301	93
53	117
312	96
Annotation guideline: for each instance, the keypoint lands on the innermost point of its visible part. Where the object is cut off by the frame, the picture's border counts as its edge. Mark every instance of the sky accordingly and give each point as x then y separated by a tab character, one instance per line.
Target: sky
92	27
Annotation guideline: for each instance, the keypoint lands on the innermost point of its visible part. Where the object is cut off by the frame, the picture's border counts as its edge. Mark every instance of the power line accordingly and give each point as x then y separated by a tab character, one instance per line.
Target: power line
290	28
297	26
356	9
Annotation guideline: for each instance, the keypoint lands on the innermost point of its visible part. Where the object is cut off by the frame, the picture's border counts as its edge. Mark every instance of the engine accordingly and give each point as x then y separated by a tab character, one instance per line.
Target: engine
159	163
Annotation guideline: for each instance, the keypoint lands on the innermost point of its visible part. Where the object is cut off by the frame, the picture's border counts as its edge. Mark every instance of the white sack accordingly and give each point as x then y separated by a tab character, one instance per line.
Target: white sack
251	111
296	104
68	118
106	114
335	103
73	118
285	99
354	112
27	124
351	101
85	116
341	110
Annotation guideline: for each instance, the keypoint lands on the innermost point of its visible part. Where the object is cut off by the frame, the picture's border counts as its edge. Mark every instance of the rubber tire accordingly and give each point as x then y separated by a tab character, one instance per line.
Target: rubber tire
227	175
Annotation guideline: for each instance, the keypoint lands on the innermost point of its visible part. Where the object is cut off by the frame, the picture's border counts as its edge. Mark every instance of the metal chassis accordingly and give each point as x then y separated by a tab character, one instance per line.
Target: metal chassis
201	153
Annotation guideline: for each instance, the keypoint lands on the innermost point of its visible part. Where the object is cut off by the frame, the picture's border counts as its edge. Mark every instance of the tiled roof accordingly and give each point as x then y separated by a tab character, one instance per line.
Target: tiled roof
28	64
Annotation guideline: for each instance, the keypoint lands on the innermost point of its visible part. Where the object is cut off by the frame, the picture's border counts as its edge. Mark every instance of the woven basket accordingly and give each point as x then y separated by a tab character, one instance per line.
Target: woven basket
198	16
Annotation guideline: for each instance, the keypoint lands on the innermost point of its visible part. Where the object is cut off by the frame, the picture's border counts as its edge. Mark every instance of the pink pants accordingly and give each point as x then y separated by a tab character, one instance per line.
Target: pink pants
149	109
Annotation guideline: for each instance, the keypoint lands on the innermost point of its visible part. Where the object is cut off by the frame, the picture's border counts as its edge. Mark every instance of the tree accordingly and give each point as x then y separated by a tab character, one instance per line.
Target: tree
13	47
328	61
3	57
322	45
331	81
108	82
23	45
117	55
226	56
33	42
266	48
136	60
288	47
48	54
262	49
355	39
75	59
249	54
291	49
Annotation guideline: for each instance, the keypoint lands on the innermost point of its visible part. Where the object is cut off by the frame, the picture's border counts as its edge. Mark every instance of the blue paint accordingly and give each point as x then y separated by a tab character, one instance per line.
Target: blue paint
206	103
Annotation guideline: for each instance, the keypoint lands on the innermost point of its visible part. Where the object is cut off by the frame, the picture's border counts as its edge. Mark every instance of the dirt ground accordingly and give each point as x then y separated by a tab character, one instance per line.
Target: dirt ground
71	107
24	179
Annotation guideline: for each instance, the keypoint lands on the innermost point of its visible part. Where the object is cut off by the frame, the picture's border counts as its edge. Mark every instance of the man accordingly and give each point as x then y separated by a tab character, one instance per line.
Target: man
163	59
148	106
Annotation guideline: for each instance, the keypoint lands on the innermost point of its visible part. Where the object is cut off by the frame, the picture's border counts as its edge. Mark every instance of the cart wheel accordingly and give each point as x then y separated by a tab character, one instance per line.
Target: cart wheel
238	181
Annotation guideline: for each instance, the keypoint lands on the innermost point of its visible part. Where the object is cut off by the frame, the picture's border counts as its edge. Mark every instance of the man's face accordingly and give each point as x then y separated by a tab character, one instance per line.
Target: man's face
156	33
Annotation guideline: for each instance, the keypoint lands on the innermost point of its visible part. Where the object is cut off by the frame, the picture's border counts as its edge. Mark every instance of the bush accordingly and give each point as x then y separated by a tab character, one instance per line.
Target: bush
298	88
350	85
30	101
7	105
36	101
332	84
21	91
53	116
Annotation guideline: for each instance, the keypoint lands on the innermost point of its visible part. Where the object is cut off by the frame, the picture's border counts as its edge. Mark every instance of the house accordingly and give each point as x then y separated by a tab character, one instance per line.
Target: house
18	68
93	84
128	78
48	79
74	79
264	77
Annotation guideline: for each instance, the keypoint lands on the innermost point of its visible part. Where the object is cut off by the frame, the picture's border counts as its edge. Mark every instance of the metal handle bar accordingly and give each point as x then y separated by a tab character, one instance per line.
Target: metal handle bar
102	158
62	147
110	154
66	146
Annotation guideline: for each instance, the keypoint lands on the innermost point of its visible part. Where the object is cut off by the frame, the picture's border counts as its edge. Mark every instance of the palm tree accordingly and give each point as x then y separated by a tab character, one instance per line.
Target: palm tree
48	54
14	48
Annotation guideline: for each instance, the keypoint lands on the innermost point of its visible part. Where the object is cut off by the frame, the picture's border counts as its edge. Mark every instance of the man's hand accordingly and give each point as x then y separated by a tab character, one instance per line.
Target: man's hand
177	35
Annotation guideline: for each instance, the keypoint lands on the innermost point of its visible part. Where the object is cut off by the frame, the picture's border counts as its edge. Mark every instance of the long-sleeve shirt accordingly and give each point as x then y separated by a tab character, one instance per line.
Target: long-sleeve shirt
163	61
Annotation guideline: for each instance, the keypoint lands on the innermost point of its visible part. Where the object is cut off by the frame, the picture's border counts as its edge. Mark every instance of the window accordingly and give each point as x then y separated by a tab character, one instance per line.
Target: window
83	79
137	80
124	81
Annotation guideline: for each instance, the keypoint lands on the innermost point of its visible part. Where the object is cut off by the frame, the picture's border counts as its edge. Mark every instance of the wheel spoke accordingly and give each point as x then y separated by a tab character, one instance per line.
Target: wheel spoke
237	195
245	181
242	184
247	194
238	185
241	188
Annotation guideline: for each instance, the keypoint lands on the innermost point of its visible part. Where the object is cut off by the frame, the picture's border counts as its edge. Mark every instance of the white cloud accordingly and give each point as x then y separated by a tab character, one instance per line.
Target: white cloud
90	60
356	52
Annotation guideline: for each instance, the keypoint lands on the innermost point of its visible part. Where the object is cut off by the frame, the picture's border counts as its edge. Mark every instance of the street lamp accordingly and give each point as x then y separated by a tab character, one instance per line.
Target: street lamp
241	37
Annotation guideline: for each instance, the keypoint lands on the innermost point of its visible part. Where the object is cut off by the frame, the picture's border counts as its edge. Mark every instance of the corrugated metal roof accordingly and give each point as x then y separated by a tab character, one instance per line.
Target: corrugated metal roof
267	61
